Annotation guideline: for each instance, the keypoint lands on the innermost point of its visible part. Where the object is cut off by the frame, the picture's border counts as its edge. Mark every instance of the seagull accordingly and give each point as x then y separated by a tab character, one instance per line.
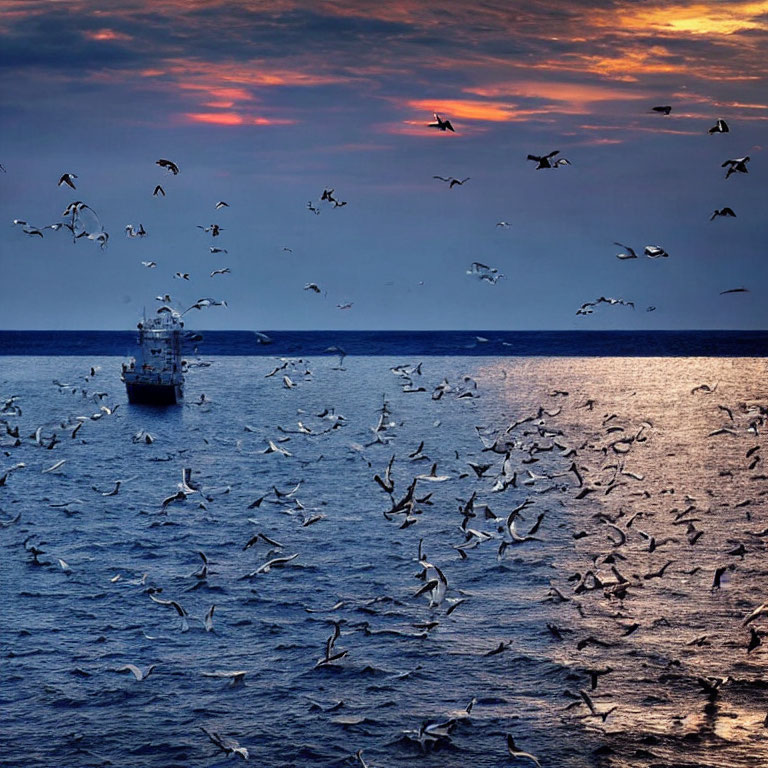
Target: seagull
227	746
723	212
655	252
484	272
30	230
588	701
176	606
735	290
738	164
131	231
275	562
761	610
137	673
662	110
236	676
719	127
182	275
224	271
503	224
347	305
545	161
312	287
451	181
214	229
221	204
441	125
214	249
158	191
330	656
518	754
149	264
171	166
66	178
630	252
98	237
334	350
312	208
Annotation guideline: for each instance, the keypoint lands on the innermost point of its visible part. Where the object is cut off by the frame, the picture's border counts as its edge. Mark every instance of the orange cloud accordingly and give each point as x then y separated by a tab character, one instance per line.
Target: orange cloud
232	94
106	35
687	18
466	109
233	118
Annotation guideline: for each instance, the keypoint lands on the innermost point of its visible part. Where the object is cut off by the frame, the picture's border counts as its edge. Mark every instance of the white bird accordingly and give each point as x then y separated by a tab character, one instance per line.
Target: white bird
224	271
272	448
719	127
227	746
518	754
208	620
149	264
236	677
630	252
136	672
655	252
221	204
484	272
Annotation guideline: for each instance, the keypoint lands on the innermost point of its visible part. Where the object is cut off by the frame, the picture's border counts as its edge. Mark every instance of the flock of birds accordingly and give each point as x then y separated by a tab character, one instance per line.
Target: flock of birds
532	456
82	222
512	493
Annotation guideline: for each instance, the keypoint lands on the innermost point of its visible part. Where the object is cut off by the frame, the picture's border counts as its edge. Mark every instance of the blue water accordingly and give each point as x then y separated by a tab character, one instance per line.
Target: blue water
412	343
640	434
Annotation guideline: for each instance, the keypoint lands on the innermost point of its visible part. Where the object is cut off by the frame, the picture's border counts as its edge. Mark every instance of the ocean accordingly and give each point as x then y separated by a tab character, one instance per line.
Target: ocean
635	463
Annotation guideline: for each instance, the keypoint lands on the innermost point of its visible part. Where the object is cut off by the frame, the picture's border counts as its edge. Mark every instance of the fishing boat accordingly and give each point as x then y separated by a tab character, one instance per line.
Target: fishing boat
155	375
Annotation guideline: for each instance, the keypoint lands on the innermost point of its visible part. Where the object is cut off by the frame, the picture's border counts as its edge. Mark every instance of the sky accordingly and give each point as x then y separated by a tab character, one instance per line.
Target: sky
264	105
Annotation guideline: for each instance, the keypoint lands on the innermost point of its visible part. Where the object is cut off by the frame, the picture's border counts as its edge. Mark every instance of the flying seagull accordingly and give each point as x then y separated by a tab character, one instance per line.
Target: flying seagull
170	165
655	252
223	271
136	672
158	191
441	125
312	287
546	161
735	290
719	127
221	204
630	252
723	212
484	272
665	110
738	164
518	754
66	178
451	181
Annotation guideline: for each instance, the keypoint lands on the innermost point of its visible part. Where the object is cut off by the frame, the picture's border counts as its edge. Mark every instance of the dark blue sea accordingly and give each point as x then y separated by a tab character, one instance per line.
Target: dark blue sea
411	343
566	544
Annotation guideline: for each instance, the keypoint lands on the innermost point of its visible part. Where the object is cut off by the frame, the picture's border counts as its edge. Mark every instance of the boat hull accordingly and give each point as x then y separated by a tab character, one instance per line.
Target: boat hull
140	393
